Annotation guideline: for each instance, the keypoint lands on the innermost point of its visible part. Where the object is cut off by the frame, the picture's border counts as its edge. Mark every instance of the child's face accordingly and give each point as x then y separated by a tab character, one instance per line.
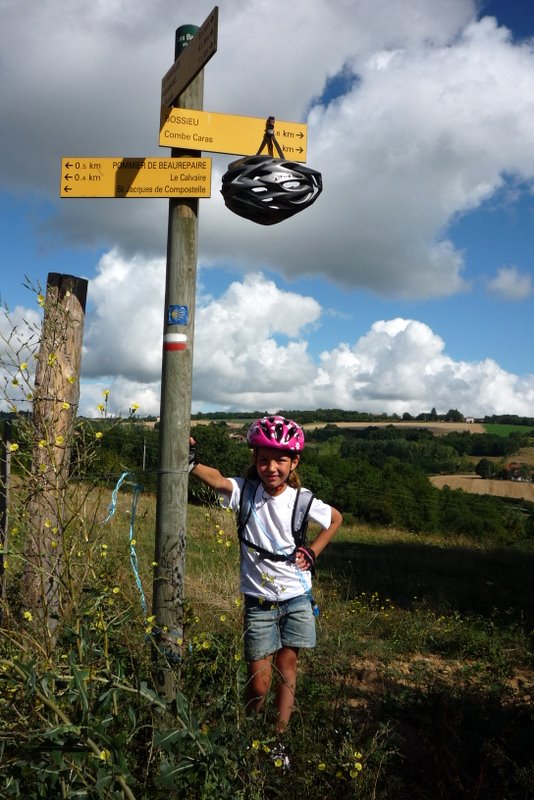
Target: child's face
274	467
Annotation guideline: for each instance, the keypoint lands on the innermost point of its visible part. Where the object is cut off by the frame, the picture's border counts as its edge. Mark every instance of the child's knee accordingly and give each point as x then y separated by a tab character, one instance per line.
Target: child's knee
287	660
260	675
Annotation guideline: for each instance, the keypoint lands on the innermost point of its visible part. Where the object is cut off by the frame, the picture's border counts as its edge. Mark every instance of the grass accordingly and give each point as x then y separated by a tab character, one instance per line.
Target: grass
497	429
421	685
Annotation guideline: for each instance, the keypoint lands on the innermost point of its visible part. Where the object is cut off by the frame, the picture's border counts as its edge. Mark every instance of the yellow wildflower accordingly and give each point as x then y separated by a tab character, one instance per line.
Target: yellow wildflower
28	615
13	447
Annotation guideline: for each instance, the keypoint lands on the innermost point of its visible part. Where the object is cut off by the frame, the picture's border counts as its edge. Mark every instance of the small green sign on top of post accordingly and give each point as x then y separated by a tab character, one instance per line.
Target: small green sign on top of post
184	34
195	53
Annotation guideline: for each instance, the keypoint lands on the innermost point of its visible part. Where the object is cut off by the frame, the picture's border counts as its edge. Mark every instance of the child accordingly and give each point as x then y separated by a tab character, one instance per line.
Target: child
279	619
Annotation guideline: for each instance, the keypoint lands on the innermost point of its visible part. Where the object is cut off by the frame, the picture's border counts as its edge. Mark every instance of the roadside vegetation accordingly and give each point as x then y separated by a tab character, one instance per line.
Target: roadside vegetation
421	686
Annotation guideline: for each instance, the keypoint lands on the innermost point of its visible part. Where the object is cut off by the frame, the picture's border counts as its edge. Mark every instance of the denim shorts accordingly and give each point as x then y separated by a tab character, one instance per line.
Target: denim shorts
270	625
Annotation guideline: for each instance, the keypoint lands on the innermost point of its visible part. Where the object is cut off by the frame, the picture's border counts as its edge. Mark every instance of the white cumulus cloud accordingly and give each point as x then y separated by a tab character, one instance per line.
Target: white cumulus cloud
510	284
251	352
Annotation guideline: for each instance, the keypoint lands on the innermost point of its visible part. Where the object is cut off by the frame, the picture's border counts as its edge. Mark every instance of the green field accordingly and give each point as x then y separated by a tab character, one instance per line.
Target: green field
506	430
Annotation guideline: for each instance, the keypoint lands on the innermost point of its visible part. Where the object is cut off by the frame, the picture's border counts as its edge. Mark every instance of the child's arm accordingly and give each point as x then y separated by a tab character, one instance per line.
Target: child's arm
209	475
320	542
212	478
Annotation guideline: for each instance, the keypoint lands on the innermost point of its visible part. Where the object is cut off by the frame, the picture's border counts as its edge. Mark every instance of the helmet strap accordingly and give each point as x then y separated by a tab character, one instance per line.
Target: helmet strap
269	139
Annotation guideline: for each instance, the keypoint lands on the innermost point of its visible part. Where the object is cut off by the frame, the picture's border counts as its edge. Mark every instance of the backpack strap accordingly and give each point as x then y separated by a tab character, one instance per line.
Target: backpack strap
299	518
246	502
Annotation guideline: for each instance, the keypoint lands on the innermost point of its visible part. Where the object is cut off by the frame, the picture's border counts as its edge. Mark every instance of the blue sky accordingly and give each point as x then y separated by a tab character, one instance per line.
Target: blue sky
408	285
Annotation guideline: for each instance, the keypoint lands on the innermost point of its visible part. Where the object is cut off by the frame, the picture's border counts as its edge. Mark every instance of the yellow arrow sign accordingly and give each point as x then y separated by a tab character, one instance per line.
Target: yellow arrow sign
135	177
225	133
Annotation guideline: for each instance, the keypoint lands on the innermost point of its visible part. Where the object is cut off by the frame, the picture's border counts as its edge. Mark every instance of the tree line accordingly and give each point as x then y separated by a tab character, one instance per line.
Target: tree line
342	415
380	476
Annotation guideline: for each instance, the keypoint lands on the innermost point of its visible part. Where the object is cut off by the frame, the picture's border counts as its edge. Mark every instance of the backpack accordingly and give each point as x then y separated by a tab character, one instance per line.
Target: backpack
299	519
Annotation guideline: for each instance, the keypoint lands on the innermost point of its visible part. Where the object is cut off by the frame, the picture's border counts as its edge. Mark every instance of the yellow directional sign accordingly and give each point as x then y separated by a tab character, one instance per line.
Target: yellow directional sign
135	177
225	133
193	58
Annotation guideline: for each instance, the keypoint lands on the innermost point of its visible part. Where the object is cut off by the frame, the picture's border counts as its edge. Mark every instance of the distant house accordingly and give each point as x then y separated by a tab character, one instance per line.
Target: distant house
514	471
470	420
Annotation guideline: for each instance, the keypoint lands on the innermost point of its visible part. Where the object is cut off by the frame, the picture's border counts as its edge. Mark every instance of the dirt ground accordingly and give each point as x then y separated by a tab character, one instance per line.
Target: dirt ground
370	676
476	485
435	427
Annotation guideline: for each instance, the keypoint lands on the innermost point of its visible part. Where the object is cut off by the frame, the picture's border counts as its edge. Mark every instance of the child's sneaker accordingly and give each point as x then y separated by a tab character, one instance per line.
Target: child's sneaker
279	757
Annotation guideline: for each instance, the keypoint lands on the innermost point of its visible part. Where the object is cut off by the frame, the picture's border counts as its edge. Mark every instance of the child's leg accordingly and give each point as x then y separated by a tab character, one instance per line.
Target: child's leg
286	661
259	681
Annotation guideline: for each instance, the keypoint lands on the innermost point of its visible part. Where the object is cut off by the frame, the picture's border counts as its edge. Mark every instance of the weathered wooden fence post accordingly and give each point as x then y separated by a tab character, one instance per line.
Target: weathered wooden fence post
5	457
55	405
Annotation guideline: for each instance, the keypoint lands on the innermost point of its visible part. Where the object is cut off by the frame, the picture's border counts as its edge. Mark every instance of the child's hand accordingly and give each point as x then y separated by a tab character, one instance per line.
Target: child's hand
304	557
193	462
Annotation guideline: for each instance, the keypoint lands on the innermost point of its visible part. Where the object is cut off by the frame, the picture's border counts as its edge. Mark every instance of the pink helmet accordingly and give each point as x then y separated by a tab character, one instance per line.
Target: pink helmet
277	432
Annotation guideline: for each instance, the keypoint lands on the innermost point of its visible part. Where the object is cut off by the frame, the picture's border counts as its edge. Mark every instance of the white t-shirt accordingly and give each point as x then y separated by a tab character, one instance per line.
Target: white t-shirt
269	526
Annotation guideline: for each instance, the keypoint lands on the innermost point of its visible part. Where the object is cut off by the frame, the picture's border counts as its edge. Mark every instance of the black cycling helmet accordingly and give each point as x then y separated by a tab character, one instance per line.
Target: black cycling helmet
267	190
